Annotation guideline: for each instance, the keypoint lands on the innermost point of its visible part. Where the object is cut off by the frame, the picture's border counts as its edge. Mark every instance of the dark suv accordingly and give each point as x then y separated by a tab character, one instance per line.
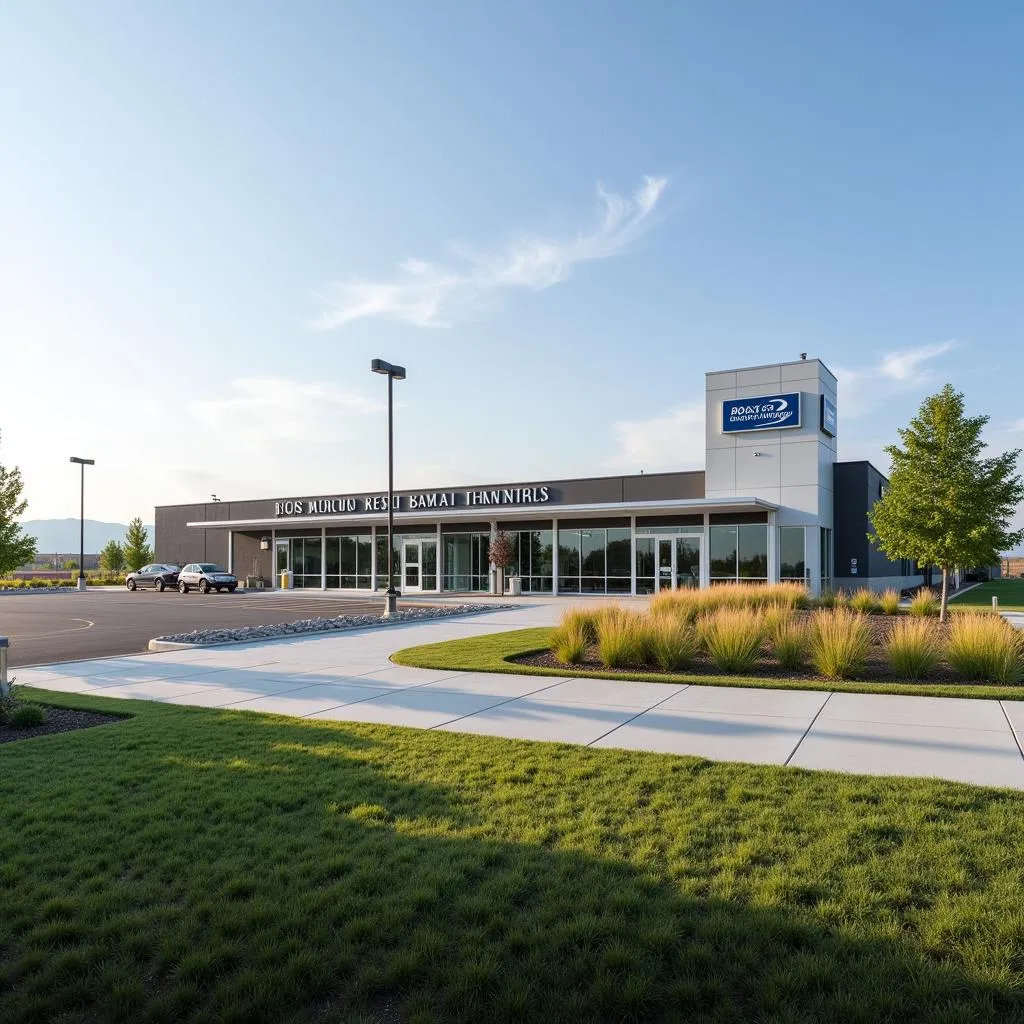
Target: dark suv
157	575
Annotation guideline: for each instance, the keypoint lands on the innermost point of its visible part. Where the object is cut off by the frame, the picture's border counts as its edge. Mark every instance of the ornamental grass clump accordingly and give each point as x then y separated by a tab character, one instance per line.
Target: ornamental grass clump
985	648
914	648
673	644
864	601
790	641
839	643
889	601
569	642
733	638
683	605
622	638
925	604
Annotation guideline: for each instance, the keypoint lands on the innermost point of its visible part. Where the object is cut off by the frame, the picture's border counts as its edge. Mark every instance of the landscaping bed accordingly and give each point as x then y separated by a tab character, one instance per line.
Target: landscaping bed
57	719
200	864
876	664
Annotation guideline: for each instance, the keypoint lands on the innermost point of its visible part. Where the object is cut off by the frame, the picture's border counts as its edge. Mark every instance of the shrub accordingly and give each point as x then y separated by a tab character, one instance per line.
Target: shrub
839	641
24	716
864	601
673	643
889	601
914	648
924	604
570	644
830	599
790	641
986	648
733	638
620	638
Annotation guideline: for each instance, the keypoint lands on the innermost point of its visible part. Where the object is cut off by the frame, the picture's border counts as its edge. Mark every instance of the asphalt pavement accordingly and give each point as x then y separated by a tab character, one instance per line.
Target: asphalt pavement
46	628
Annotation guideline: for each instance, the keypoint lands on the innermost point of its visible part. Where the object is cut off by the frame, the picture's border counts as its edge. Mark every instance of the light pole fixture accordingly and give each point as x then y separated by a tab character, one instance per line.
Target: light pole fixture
264	543
392	373
81	521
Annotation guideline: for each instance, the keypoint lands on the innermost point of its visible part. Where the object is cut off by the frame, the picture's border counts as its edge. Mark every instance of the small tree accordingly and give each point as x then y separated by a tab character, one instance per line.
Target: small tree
502	554
946	504
137	551
112	557
70	563
16	547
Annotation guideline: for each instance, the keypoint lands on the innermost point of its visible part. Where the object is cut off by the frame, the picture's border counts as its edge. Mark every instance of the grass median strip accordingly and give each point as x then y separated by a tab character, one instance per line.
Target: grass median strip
1009	592
495	652
194	864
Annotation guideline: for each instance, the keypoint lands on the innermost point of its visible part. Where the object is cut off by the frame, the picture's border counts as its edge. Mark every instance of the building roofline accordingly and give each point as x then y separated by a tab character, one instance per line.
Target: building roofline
768	366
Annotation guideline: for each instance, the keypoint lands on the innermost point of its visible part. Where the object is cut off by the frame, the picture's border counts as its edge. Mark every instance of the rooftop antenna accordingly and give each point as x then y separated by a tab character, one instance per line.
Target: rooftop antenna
803	355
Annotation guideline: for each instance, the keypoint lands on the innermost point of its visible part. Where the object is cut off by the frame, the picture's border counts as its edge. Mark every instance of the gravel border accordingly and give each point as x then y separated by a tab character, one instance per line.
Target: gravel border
303	627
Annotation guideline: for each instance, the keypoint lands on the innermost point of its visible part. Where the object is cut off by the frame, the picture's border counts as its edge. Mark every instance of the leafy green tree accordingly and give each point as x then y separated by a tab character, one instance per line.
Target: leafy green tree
947	505
70	563
112	557
16	548
137	551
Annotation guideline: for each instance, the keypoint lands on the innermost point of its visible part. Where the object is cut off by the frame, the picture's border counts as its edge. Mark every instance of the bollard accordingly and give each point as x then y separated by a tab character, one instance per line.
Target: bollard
995	602
5	689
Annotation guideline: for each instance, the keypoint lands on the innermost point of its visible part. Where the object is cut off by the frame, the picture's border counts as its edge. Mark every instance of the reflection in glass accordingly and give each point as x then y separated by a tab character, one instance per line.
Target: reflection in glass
722	540
753	552
791	553
687	562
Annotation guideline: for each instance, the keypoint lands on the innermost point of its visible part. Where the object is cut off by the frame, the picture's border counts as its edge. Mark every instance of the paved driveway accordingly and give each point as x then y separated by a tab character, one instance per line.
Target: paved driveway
349	677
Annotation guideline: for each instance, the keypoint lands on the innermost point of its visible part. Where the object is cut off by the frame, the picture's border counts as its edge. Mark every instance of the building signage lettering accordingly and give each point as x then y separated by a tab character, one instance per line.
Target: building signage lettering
829	418
768	412
413	502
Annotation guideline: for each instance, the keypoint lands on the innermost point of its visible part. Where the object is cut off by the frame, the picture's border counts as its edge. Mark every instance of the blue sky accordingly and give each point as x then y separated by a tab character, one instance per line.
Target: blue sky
557	216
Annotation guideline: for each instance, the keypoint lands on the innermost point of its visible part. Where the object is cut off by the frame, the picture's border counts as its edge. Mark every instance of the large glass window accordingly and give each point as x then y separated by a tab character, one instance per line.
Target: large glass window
791	553
739	552
594	560
724	549
347	562
753	553
397	540
465	566
826	559
618	553
533	558
307	554
569	561
645	565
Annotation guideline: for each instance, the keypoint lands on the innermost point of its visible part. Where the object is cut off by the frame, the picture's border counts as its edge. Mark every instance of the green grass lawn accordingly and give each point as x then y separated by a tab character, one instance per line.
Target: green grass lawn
1009	592
223	866
493	653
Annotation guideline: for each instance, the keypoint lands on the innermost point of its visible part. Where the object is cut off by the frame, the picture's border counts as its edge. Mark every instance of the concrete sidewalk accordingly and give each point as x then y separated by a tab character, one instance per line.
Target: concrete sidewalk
349	677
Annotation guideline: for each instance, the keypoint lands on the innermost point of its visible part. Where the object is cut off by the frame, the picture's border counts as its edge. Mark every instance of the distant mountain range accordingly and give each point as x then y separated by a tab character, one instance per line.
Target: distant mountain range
61	535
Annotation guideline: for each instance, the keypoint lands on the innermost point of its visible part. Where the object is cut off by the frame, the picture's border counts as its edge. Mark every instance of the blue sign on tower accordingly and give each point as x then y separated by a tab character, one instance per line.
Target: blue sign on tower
769	412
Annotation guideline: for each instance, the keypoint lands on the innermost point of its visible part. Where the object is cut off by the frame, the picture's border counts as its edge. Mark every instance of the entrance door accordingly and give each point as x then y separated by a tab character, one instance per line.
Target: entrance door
666	567
282	560
412	562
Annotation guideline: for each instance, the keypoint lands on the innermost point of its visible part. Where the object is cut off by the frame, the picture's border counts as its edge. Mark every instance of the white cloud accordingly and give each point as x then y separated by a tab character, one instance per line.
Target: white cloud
671	442
427	294
892	373
265	410
907	365
1016	428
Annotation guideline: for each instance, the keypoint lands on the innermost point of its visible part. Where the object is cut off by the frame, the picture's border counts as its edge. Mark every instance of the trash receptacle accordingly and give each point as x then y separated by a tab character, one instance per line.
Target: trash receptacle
515	586
287	579
494	582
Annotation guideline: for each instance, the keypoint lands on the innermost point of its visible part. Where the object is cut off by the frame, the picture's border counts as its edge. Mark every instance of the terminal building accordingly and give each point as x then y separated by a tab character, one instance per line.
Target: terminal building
772	504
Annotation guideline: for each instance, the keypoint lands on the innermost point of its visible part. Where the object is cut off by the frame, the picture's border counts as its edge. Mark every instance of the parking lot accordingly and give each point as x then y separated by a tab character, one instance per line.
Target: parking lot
65	627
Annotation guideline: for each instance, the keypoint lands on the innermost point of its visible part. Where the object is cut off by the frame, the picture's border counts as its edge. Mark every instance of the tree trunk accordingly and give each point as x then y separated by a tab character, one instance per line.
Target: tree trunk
945	593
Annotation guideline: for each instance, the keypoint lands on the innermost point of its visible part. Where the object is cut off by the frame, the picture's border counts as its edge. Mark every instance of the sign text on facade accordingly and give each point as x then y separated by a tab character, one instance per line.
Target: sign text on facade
413	502
767	412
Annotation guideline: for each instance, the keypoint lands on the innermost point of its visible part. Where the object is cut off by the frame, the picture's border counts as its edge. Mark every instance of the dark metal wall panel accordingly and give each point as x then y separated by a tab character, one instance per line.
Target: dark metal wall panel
465	528
729	518
526	524
657	486
648	521
595	522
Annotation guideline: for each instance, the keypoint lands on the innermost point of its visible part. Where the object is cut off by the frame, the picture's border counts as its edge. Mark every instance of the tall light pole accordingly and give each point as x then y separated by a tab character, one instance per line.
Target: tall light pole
392	373
81	521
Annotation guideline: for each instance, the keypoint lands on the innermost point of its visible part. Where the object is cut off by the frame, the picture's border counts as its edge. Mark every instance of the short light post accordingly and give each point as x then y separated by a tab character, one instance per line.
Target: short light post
81	521
392	373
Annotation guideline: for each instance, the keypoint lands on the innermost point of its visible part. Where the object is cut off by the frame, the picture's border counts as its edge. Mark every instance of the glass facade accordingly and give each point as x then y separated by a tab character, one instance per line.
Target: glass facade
591	559
739	553
349	562
594	560
792	564
533	560
464	562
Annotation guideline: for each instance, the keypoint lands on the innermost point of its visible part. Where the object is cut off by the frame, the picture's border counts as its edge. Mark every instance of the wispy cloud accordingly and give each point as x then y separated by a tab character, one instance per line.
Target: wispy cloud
263	410
1017	428
669	442
893	372
427	294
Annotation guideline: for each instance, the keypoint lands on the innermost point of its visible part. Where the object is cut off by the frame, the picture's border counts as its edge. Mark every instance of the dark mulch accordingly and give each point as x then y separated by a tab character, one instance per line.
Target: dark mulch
58	720
876	669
